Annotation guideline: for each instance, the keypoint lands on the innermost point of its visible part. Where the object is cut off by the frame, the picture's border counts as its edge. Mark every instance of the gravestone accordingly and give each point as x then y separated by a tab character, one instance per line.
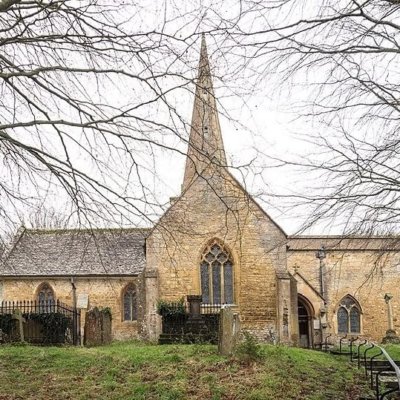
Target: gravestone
97	327
229	331
18	326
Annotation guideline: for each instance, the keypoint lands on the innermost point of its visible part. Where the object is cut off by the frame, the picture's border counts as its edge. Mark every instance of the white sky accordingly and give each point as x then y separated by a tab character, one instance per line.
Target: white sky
257	113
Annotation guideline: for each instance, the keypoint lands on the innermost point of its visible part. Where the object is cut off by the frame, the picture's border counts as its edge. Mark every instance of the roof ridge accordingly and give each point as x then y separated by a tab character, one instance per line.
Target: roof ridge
352	236
68	230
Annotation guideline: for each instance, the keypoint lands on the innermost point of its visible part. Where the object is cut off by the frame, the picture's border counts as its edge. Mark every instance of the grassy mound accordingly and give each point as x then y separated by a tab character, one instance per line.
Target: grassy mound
139	371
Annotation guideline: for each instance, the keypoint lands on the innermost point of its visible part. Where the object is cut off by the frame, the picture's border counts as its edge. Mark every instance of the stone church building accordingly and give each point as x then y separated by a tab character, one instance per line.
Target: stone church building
214	240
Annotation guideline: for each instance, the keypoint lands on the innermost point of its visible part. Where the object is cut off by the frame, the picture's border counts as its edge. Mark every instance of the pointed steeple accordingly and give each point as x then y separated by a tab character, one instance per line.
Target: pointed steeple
205	141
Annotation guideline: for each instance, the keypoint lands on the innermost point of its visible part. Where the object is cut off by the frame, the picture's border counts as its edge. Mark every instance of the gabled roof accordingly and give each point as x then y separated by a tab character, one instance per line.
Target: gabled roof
76	252
344	243
297	274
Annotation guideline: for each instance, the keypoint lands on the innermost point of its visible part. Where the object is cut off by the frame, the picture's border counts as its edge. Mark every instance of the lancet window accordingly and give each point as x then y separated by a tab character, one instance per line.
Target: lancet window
216	274
349	316
129	303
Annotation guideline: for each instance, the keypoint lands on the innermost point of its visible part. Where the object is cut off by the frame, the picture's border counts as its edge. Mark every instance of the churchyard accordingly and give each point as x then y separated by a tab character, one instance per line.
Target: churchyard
135	370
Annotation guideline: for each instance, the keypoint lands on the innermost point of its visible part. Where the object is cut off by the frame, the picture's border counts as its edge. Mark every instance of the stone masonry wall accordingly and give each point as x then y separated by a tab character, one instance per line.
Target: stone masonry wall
366	275
103	292
175	247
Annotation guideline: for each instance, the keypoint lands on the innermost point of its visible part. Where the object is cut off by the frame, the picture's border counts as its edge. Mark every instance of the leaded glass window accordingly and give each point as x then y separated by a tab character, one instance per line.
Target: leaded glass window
45	293
342	317
216	275
354	320
130	304
349	316
45	297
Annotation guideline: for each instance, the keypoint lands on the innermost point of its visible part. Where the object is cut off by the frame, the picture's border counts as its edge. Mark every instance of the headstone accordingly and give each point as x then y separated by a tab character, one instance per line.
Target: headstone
228	331
18	322
97	327
194	305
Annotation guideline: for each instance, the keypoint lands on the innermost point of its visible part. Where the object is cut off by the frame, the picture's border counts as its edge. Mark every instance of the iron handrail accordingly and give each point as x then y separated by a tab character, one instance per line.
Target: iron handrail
363	343
393	364
352	340
372	346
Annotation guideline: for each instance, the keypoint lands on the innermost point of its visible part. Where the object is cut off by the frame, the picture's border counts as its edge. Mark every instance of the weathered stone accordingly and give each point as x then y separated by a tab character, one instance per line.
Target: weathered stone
18	326
97	327
229	331
391	337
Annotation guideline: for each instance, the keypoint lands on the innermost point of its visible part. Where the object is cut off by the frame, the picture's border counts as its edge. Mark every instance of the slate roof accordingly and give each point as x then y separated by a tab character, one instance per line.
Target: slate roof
108	252
344	243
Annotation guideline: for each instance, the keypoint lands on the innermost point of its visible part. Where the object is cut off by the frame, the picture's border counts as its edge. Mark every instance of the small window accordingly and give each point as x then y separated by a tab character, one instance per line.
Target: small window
129	303
349	316
45	298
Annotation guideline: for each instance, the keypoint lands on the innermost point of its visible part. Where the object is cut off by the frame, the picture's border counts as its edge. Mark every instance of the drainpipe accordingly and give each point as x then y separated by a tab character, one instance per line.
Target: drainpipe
73	292
321	255
75	315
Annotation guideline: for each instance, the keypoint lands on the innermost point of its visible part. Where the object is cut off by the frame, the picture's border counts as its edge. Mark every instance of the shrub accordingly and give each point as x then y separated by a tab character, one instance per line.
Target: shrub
249	350
171	308
53	325
6	323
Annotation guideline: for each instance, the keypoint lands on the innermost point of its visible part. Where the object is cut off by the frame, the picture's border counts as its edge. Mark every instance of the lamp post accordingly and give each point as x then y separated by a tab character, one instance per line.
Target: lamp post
321	255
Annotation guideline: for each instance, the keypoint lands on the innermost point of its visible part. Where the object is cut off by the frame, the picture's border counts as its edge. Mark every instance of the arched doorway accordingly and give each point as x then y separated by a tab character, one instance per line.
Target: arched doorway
305	314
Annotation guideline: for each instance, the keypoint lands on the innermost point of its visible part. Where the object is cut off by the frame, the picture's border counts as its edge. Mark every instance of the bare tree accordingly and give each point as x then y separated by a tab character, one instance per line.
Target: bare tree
89	89
87	100
338	64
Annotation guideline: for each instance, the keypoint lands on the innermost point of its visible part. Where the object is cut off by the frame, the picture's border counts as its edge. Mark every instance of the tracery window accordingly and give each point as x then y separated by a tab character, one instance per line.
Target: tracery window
216	275
46	298
130	303
45	293
349	316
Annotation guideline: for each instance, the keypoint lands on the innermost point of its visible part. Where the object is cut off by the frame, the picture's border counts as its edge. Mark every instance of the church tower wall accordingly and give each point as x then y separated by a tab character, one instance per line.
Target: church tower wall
215	208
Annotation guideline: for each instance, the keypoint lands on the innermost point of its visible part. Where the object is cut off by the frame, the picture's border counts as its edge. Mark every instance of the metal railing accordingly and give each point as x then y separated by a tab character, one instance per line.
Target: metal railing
44	322
381	371
177	322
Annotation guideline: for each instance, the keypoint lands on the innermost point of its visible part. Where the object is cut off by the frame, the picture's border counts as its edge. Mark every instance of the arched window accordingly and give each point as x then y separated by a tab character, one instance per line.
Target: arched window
349	316
130	304
216	275
45	293
45	298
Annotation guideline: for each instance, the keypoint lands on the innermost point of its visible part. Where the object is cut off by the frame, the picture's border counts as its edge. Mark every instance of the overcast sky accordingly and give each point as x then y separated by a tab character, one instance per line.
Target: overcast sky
259	113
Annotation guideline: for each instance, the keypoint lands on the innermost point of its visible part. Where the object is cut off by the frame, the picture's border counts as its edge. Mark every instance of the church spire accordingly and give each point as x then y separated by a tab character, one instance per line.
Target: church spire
205	140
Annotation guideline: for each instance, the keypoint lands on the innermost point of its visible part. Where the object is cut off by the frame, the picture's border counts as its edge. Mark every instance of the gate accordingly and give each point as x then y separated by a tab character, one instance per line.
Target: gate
181	324
43	322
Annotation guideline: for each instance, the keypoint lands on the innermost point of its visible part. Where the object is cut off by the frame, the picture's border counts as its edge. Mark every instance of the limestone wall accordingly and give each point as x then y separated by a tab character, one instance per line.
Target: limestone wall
257	246
366	275
103	292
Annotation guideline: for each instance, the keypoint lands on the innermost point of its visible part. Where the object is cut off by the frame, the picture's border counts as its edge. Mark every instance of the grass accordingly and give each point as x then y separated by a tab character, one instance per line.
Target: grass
133	370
